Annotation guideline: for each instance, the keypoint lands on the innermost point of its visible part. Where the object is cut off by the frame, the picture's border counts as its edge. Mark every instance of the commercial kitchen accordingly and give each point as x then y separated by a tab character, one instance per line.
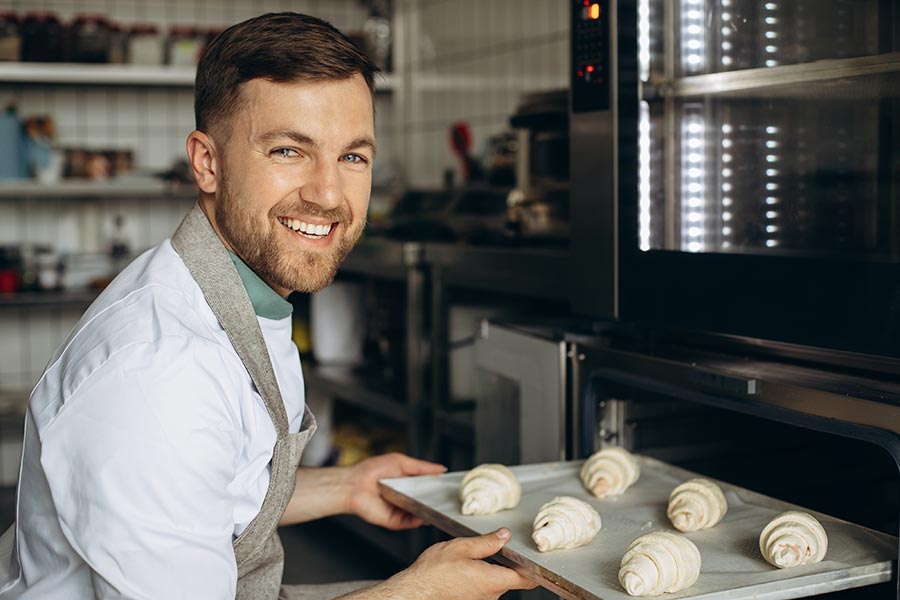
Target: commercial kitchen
665	226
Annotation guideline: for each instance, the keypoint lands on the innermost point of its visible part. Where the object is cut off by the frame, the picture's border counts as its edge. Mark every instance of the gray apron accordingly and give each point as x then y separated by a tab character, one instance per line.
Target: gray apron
258	550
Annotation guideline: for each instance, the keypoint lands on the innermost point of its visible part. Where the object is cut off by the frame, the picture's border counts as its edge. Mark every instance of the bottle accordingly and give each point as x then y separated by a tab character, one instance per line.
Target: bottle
12	151
119	249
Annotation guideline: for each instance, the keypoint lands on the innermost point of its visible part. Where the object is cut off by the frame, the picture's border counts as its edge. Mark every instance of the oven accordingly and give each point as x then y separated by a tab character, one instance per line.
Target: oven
808	436
735	208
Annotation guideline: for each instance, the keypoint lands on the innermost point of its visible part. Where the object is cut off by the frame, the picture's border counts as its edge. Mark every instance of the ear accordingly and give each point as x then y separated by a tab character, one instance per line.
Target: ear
201	153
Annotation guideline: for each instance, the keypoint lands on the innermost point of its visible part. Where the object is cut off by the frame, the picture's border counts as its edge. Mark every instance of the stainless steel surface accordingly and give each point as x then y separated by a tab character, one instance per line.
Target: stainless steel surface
537	273
594	197
527	422
732	566
761	80
382	258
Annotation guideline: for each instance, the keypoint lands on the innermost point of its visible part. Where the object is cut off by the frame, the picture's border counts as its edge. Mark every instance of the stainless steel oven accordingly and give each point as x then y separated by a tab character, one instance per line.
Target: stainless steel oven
735	169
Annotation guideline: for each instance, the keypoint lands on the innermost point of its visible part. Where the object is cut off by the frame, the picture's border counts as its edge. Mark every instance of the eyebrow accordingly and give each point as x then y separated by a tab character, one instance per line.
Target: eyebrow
302	138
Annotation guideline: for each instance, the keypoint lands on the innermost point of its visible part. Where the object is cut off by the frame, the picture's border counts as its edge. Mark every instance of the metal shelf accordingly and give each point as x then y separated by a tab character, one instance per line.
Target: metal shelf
125	187
457	425
789	79
82	74
539	273
48	299
383	258
399	545
357	391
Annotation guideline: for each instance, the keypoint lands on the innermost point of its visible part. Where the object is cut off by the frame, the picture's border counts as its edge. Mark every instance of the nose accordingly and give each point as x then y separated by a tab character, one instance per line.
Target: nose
323	186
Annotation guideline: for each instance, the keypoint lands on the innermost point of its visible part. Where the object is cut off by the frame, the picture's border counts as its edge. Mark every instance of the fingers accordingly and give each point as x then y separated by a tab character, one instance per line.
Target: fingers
482	546
510	579
414	466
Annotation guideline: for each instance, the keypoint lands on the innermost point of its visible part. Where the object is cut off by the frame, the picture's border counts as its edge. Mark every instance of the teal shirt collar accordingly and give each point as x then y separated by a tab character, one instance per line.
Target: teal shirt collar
266	301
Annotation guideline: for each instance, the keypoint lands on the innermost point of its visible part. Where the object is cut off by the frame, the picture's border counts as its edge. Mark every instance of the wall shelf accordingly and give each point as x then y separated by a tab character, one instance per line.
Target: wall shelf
48	299
124	187
82	74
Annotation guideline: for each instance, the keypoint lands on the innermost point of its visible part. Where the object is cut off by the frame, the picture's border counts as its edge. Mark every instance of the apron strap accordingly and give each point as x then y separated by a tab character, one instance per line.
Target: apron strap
211	267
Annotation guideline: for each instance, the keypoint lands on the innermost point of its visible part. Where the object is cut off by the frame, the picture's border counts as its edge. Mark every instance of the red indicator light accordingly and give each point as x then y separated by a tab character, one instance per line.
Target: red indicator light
581	73
587	2
590	68
595	11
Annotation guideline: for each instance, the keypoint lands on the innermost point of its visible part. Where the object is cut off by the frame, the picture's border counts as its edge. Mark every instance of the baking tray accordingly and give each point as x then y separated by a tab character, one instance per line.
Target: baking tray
732	569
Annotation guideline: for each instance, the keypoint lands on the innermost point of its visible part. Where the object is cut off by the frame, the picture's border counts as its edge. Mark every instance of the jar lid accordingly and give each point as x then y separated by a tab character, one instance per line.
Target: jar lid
90	18
41	15
144	28
189	30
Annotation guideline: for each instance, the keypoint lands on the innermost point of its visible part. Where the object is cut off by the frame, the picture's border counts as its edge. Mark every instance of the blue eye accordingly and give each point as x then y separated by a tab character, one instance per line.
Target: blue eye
284	152
355	159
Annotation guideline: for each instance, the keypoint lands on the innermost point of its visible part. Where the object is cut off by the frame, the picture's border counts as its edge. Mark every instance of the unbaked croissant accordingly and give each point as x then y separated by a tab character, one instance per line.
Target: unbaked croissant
793	538
489	488
609	472
696	504
659	562
565	522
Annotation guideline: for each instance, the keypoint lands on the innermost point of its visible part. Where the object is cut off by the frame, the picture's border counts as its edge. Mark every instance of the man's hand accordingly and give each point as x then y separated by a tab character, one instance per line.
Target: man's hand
327	491
367	503
452	570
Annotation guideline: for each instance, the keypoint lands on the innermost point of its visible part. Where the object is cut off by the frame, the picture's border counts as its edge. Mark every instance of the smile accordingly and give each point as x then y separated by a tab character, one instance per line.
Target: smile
314	232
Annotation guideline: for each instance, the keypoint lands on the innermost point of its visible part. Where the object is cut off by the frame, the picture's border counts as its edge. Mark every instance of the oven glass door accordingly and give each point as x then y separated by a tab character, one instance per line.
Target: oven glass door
766	195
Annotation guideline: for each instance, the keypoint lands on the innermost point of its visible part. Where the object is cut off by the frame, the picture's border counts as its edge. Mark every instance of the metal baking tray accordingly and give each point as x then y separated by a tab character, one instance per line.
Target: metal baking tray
732	569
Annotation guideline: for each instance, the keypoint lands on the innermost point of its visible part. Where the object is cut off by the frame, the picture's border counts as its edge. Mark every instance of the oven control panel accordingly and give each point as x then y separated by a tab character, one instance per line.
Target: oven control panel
590	55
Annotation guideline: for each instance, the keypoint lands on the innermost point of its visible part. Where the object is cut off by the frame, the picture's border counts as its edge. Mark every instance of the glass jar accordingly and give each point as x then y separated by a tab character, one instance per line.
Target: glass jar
118	44
42	37
145	45
90	37
10	37
185	45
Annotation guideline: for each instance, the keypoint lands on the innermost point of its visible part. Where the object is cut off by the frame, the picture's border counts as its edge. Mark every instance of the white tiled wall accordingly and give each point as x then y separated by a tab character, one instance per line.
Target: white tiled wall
471	60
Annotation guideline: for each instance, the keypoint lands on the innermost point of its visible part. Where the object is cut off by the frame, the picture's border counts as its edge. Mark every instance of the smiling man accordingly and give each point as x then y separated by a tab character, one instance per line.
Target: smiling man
163	440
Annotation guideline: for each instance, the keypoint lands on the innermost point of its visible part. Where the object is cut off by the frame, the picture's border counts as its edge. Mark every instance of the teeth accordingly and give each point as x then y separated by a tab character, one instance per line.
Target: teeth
306	228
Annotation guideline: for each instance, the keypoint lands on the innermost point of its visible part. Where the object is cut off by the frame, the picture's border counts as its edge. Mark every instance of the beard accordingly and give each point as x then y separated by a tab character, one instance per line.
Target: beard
257	241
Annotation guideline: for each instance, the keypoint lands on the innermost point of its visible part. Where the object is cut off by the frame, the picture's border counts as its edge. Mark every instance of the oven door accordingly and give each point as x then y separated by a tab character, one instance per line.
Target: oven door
759	148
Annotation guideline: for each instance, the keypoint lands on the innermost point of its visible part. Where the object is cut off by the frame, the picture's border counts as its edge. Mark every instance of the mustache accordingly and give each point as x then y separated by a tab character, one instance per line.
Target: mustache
308	209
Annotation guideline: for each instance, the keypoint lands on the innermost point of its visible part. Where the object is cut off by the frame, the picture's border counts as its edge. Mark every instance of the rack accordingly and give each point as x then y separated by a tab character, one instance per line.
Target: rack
764	80
429	272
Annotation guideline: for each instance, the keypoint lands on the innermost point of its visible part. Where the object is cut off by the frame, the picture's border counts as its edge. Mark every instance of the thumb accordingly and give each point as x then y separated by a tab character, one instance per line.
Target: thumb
485	545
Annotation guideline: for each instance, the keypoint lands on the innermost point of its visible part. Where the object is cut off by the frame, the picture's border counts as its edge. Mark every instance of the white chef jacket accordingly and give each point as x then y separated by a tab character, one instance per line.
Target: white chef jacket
147	446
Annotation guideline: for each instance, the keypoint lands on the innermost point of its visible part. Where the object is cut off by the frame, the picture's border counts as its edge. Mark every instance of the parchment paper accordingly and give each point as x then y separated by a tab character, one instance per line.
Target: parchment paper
732	567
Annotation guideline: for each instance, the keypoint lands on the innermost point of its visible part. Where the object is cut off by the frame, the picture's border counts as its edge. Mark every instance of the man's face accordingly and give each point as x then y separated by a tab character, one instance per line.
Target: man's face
294	179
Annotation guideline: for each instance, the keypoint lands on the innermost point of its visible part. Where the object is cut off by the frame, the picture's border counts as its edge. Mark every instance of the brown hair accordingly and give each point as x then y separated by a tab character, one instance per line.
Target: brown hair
280	47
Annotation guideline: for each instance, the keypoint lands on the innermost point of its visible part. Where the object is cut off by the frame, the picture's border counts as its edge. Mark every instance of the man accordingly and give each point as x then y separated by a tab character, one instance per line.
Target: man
162	441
